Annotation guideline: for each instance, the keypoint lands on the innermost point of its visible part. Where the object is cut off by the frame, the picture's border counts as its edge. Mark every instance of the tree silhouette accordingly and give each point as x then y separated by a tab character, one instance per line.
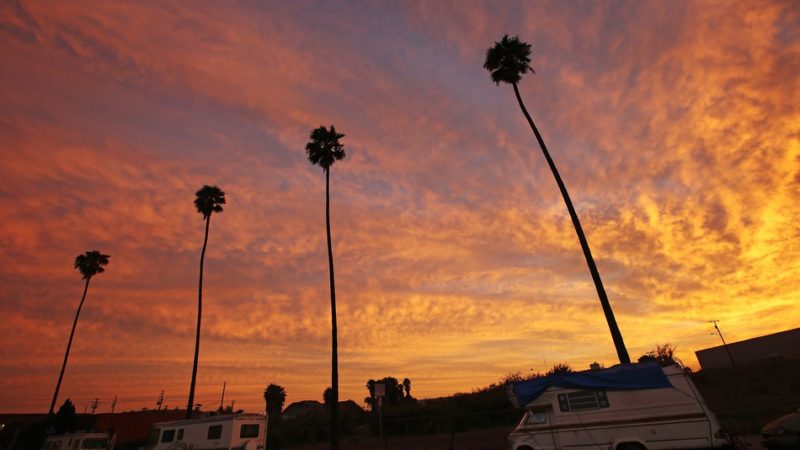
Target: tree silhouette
208	200
274	397
88	264
66	419
507	61
407	387
323	150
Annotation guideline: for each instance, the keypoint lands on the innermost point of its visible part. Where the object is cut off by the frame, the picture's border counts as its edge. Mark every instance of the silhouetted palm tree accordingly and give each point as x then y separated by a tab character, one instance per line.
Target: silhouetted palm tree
507	61
89	264
274	398
323	150
208	201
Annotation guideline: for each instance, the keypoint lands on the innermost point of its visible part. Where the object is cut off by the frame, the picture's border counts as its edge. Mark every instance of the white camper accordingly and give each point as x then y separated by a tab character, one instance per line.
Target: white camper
625	407
80	440
232	431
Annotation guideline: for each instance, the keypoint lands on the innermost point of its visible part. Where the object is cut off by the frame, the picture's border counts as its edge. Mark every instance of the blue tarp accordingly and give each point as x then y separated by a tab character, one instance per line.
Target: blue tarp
622	377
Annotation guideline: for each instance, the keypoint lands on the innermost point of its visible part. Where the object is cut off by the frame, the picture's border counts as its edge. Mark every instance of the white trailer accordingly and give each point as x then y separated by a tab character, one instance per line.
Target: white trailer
231	432
80	440
625	407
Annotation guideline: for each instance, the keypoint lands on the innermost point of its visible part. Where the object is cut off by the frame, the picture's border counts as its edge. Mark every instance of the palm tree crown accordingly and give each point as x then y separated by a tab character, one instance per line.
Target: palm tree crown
91	263
325	148
208	200
508	60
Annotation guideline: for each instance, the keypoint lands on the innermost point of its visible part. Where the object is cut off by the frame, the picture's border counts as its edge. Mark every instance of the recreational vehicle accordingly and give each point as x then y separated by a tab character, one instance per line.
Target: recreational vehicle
232	431
79	441
625	407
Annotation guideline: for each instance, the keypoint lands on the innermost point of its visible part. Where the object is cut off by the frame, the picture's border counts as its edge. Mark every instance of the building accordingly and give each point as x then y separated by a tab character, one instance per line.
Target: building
784	344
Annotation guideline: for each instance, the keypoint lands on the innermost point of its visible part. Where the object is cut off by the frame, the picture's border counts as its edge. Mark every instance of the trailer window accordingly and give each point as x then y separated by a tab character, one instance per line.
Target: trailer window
214	431
249	431
94	443
576	401
536	417
168	436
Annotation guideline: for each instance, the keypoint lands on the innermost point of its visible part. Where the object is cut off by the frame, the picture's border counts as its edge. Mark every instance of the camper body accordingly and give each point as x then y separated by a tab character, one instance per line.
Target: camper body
594	410
233	431
80	440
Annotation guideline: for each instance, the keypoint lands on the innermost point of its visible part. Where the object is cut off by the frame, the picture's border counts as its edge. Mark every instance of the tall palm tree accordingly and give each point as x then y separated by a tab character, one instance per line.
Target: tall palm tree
507	61
88	264
323	150
208	200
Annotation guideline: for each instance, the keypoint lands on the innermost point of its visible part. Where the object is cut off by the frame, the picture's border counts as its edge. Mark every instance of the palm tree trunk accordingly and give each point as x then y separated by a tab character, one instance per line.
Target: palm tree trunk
69	344
616	335
190	405
334	339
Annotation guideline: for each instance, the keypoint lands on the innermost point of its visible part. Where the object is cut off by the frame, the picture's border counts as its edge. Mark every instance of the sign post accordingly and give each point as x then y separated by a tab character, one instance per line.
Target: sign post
380	392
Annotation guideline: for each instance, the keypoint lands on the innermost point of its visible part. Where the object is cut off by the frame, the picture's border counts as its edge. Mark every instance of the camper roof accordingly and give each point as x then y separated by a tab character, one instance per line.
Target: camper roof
210	419
617	378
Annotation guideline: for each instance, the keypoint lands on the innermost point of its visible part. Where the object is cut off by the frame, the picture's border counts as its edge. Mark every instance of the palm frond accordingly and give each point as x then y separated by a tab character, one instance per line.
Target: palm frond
508	60
324	148
208	200
91	263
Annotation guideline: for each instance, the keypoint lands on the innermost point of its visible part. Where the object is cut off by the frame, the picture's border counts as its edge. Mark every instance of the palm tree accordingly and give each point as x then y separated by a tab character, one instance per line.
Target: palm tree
274	397
208	201
507	61
323	150
88	264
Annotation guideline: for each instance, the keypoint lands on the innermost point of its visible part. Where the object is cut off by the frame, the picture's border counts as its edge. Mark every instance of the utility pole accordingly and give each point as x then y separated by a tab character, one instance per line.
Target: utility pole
94	405
222	400
160	400
113	406
724	344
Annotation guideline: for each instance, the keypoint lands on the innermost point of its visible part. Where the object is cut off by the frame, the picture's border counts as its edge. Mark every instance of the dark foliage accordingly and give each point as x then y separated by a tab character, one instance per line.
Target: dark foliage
208	200
508	60
91	263
324	148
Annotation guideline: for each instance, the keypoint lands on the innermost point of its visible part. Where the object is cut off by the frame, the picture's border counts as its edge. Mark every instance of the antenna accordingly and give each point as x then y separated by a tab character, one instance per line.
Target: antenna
94	404
160	400
114	404
724	344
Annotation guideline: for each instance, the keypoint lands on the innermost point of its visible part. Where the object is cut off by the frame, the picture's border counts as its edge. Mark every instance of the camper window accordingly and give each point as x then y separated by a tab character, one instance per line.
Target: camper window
168	436
180	434
95	443
536	417
214	432
249	431
582	400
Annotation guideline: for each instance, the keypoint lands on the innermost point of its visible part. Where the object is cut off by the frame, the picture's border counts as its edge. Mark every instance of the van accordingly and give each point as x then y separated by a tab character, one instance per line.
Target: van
232	431
625	407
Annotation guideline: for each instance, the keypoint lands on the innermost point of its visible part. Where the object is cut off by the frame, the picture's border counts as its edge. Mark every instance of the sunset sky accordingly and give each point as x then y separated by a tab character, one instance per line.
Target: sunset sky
675	124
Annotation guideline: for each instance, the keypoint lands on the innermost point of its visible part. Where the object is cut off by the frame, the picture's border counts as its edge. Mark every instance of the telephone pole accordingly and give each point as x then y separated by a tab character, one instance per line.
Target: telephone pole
222	400
724	344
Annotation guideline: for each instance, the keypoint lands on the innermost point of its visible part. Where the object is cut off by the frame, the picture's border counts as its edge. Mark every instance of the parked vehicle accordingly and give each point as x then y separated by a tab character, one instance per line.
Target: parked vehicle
80	440
232	431
625	407
782	433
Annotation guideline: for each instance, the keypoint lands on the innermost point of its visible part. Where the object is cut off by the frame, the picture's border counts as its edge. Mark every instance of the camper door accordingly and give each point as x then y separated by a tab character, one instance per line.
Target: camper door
539	425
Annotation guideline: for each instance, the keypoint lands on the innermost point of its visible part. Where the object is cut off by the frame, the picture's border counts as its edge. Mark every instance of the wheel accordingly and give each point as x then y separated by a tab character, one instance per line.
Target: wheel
630	446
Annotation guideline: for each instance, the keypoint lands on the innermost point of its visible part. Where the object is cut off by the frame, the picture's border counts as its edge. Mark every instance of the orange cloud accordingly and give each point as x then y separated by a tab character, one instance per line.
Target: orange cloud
675	129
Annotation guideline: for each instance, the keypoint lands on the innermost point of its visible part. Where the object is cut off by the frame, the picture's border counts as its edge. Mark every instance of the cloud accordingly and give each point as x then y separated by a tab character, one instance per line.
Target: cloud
674	129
